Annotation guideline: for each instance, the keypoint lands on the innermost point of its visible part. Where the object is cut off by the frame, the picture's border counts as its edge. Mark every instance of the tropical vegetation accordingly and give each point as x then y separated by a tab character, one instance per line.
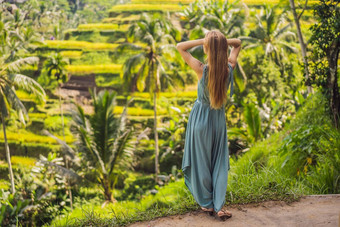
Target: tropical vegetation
95	101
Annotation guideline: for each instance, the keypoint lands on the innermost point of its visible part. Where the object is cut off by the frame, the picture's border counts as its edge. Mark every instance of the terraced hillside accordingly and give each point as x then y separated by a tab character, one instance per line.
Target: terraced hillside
94	62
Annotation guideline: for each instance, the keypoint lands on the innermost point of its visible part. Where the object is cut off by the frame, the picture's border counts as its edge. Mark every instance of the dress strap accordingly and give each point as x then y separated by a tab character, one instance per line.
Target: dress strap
204	72
231	80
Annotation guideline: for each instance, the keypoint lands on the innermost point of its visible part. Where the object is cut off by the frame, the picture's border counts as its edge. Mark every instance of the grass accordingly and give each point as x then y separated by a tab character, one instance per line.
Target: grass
136	111
4	184
182	94
25	161
165	202
88	69
104	26
81	45
24	136
71	54
144	7
22	95
161	2
121	19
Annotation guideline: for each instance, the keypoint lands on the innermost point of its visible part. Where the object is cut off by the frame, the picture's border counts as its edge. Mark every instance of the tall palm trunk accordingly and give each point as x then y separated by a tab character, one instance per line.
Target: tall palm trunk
8	156
156	133
302	43
65	159
108	193
155	119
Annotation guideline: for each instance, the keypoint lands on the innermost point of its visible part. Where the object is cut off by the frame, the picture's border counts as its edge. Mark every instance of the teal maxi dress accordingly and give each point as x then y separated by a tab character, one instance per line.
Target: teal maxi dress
205	161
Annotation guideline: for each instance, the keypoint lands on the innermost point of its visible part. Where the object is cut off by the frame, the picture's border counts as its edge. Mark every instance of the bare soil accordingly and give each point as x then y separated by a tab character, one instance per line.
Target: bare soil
309	211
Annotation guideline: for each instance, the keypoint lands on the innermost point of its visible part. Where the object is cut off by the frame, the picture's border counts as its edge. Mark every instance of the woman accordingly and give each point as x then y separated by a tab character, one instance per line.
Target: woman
206	154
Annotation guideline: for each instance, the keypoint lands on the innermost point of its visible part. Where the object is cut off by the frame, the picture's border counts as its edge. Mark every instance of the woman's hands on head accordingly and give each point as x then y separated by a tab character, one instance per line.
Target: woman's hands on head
195	64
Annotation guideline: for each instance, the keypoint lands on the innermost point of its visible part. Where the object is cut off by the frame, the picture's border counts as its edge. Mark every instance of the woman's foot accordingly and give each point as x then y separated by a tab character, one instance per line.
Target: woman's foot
224	214
209	210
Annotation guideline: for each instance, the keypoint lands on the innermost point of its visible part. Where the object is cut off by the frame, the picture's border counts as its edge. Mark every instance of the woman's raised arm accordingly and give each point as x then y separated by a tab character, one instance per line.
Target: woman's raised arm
235	50
194	63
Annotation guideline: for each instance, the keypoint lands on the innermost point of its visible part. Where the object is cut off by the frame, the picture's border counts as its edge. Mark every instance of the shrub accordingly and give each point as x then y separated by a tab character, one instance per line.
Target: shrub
136	187
19	148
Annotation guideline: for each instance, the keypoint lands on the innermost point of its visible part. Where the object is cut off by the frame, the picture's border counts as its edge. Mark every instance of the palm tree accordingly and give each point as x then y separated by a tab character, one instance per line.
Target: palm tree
271	34
104	139
225	16
15	37
10	79
56	66
146	68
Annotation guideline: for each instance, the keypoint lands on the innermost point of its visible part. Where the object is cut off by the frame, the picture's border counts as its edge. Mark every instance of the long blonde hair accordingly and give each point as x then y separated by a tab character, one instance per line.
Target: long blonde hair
216	46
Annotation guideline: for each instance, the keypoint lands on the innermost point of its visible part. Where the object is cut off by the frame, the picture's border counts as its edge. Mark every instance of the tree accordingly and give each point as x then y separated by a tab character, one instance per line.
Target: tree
303	45
325	43
10	79
147	67
271	34
104	139
56	67
13	36
225	16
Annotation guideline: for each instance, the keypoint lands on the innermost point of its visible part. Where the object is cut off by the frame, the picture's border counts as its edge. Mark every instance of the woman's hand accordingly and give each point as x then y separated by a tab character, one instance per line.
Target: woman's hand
234	42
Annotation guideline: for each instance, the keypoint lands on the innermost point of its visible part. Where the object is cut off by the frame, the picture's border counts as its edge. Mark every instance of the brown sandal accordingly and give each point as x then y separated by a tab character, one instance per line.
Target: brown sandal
211	212
226	214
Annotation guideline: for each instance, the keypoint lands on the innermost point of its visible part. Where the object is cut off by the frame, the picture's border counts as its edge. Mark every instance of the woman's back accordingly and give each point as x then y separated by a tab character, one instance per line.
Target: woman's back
202	91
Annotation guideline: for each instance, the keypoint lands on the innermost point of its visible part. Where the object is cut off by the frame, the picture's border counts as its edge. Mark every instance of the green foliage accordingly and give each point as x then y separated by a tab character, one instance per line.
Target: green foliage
302	147
105	140
324	177
28	137
32	149
56	67
93	58
325	36
173	148
312	143
135	188
226	16
253	120
54	124
35	202
314	112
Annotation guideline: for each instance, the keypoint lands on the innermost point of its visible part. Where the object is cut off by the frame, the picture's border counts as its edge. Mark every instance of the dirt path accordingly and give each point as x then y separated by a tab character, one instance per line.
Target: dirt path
310	211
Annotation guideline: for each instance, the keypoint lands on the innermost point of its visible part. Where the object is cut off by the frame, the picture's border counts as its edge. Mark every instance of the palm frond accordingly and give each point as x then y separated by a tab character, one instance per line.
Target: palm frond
16	65
66	149
70	175
29	85
14	102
